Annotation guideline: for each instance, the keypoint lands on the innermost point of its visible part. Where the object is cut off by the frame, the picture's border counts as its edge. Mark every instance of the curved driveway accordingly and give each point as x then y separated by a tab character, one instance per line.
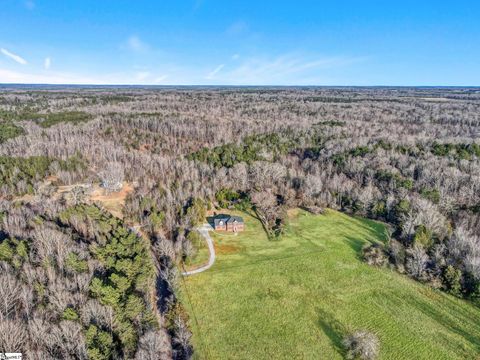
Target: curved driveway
203	230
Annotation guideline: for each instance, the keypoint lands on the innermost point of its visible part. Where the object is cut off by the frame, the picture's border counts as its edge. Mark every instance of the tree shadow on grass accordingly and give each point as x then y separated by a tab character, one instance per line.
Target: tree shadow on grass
333	329
373	233
356	245
374	229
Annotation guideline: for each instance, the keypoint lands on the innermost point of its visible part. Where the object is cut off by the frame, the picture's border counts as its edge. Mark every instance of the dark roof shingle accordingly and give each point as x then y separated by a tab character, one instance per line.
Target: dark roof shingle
226	219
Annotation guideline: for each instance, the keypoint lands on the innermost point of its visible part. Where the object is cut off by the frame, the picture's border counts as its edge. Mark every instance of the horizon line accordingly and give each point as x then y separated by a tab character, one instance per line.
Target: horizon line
240	86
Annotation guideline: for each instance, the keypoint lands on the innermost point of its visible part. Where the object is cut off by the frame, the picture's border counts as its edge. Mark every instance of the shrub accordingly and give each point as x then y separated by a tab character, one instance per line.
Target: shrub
471	287
401	210
374	255
156	219
379	209
75	264
431	194
70	314
6	251
362	345
359	151
423	237
452	280
14	251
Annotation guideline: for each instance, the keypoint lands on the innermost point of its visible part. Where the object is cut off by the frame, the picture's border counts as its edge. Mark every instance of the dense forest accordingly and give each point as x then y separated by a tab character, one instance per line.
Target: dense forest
77	282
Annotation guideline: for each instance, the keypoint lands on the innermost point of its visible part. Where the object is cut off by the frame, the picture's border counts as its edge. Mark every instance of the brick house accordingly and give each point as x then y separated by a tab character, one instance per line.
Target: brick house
228	223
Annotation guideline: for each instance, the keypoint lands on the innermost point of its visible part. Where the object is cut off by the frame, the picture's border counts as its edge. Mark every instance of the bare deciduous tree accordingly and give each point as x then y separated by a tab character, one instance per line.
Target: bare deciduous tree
182	338
417	261
13	336
112	177
154	345
266	207
9	296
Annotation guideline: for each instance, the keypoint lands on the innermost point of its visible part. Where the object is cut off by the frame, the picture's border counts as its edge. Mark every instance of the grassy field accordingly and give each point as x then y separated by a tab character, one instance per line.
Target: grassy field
296	298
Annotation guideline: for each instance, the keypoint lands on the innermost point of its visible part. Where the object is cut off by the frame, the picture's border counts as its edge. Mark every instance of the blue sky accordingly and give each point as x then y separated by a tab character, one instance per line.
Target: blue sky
244	42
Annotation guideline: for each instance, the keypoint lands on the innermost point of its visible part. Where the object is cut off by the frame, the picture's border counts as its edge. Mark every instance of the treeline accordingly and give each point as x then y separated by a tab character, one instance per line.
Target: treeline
8	130
465	151
46	120
252	148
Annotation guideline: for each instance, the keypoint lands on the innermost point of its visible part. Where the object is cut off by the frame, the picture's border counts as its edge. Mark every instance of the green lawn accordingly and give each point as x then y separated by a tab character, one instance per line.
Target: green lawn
296	298
201	256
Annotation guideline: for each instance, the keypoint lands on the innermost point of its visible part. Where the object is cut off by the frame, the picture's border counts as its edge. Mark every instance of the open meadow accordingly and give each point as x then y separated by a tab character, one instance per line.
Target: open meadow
297	297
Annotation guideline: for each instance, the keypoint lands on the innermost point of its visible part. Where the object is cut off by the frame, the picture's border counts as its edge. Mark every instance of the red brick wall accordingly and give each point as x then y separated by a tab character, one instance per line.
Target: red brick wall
240	227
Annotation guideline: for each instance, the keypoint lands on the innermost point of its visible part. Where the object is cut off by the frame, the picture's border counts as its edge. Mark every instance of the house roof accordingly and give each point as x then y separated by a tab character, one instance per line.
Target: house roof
219	220
234	219
227	219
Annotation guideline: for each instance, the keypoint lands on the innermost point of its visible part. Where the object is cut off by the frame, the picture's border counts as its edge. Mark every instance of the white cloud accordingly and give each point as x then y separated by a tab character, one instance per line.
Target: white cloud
134	43
52	77
9	76
47	63
13	56
212	74
287	69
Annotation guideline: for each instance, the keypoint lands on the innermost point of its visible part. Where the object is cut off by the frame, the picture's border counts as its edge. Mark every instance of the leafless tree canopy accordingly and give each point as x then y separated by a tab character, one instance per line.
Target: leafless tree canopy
408	156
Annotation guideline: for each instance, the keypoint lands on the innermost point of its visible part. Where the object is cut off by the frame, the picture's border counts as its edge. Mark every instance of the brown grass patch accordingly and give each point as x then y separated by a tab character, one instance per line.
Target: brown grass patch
226	248
293	213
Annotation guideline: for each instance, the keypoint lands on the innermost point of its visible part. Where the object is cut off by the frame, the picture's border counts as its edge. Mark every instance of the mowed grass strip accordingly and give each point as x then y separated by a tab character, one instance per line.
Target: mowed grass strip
297	297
